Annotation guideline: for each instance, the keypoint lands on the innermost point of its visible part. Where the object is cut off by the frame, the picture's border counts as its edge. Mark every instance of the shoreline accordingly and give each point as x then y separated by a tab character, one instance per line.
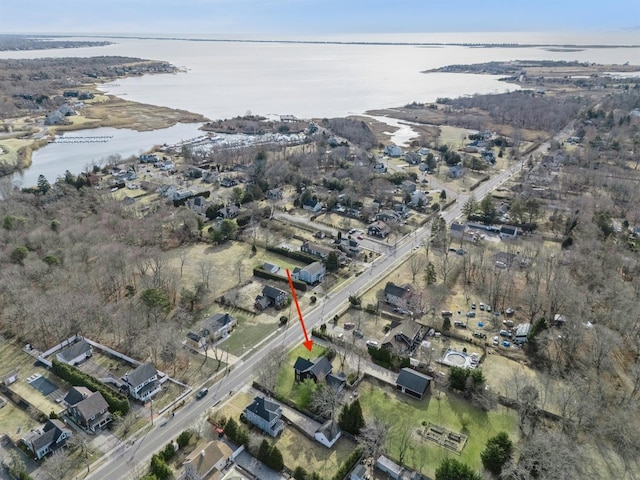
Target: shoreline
105	111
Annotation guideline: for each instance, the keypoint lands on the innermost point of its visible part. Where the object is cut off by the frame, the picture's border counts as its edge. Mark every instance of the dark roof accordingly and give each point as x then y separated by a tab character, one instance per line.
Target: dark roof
219	320
194	336
314	268
141	374
508	229
75	350
458	227
412	380
272	292
330	429
76	395
264	408
302	364
395	290
49	433
92	405
336	380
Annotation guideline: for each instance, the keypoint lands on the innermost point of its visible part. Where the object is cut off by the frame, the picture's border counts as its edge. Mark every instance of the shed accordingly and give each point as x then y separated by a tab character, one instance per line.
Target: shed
389	467
412	383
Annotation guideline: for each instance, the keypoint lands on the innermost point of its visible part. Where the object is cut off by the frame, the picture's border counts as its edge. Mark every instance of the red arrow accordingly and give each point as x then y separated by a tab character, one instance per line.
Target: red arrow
307	342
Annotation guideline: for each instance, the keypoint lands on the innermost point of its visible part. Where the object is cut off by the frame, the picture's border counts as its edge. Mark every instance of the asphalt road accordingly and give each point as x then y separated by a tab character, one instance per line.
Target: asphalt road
120	464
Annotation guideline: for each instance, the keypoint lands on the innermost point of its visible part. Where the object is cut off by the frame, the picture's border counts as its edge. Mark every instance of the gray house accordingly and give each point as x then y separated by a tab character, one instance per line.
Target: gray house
265	415
76	353
312	274
48	438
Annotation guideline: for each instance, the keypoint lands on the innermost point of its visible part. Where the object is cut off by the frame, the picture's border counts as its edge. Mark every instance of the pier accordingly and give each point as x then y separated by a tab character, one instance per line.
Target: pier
76	139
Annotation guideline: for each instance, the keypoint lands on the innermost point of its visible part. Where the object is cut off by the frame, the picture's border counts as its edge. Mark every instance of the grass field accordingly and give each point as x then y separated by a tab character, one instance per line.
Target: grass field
449	411
249	332
15	422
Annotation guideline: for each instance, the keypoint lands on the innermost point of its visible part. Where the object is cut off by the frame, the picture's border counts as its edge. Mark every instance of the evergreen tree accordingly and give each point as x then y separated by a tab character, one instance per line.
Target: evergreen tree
332	263
263	452
498	451
452	469
43	184
351	419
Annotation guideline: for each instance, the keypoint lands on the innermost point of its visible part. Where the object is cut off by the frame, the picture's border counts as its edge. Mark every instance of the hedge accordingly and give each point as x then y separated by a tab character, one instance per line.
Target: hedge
300	256
117	401
348	464
297	284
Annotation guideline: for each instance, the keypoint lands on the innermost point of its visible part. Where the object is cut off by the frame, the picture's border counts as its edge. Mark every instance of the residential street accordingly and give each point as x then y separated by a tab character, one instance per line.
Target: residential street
119	465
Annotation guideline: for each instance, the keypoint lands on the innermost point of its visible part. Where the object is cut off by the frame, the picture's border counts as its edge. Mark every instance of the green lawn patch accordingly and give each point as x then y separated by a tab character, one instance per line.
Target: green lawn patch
287	386
450	412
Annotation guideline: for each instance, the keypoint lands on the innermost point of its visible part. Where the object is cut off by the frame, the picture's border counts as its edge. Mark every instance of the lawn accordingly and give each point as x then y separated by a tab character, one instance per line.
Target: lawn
449	411
249	332
287	386
15	422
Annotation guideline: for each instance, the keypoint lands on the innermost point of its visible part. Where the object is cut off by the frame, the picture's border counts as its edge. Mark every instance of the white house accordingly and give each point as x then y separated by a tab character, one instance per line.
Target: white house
143	382
328	434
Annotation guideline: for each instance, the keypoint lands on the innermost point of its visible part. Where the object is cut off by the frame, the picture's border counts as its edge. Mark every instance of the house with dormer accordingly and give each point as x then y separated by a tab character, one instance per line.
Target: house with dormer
379	229
47	438
88	409
265	414
143	382
207	463
398	296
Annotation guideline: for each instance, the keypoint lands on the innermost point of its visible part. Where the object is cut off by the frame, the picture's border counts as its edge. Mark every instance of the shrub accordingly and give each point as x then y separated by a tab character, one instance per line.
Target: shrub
184	438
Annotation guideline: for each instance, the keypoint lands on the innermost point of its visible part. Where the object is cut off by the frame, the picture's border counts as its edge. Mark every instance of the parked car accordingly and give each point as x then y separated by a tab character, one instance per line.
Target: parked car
201	393
360	237
459	324
446	313
471	314
506	344
358	333
496	341
349	325
509	311
372	343
479	335
505	333
482	306
352	231
488	308
473	306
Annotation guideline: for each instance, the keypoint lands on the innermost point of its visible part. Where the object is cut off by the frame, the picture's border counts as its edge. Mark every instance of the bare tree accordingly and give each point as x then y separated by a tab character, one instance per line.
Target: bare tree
373	437
417	263
58	464
267	370
327	400
403	432
206	268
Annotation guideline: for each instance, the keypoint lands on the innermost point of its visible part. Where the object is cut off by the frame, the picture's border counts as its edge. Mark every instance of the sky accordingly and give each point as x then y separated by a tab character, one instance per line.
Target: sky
309	17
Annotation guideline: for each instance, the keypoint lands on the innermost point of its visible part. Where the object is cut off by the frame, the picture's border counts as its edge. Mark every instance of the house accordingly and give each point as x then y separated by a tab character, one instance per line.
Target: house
219	326
149	158
288	118
10	379
274	194
143	382
265	415
424	151
181	195
48	438
412	383
337	381
311	274
397	296
207	463
456	171
404	337
389	216
389	467
508	231
88	409
419	199
317	370
230	211
488	156
457	230
76	353
315	249
358	473
379	229
271	296
228	182
198	204
393	150
312	205
270	267
412	158
380	168
328	434
522	332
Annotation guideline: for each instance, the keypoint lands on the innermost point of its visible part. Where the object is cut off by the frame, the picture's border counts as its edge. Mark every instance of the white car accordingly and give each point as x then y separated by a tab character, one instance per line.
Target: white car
496	341
372	343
